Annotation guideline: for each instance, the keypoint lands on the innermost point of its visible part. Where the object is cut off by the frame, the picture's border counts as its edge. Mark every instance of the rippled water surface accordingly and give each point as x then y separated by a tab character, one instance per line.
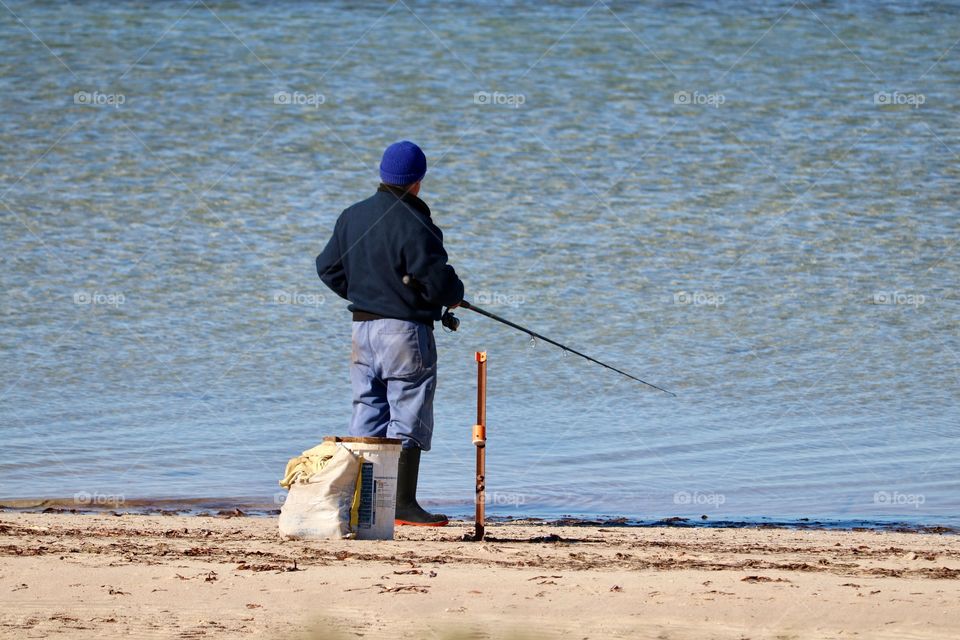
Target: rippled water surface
752	206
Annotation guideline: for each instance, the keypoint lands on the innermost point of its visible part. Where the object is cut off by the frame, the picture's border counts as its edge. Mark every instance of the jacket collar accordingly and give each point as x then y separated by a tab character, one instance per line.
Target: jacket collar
408	198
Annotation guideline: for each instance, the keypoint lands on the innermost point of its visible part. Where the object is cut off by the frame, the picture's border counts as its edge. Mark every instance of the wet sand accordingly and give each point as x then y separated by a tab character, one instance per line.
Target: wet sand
153	576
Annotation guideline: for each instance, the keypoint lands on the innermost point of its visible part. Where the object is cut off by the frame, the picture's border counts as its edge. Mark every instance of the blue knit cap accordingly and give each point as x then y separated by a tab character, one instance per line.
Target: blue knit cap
403	163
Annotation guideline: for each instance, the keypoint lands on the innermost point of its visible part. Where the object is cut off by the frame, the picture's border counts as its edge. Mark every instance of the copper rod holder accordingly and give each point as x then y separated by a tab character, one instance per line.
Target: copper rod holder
480	441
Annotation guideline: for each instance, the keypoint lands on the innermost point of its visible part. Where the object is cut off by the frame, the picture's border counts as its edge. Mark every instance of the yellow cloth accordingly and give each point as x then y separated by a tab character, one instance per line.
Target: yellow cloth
308	463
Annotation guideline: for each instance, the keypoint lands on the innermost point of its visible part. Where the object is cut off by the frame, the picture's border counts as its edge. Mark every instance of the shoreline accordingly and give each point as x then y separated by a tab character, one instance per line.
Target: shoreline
85	576
259	508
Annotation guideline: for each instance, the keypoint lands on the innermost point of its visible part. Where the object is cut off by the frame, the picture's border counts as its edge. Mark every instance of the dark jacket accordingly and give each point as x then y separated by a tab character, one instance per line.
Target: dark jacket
378	241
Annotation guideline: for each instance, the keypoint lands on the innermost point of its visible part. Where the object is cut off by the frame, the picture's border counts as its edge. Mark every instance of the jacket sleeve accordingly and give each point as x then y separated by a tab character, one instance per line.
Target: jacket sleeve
426	261
330	267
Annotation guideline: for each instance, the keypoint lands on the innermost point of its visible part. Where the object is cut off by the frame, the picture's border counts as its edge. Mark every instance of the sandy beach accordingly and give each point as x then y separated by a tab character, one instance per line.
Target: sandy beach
152	576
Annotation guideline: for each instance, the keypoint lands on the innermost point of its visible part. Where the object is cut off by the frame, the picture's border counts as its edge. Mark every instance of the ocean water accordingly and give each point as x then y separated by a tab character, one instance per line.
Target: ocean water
754	206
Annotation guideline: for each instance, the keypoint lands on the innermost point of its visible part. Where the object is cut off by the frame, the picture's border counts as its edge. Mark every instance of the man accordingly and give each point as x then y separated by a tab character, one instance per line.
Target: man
393	367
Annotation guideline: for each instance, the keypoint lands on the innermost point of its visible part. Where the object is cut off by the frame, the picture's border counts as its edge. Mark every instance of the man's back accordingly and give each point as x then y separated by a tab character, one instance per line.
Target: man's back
378	241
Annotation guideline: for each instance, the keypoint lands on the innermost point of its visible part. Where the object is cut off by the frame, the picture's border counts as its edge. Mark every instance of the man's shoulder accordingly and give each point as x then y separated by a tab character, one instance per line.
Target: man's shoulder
388	215
361	205
381	203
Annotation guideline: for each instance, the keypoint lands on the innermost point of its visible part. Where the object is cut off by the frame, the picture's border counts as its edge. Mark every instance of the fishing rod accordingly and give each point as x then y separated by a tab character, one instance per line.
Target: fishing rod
451	322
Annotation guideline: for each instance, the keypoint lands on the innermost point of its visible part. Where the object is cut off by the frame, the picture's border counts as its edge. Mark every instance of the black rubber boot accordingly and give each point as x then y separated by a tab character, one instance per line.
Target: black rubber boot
408	511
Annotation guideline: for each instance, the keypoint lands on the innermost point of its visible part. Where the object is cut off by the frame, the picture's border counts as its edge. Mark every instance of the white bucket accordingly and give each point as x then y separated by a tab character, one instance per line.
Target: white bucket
378	484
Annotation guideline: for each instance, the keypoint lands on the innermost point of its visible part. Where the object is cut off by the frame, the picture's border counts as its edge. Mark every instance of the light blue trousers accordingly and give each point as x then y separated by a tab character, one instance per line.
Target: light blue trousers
393	370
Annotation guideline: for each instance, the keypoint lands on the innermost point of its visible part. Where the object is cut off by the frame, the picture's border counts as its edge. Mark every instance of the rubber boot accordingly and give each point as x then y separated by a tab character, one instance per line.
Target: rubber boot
408	511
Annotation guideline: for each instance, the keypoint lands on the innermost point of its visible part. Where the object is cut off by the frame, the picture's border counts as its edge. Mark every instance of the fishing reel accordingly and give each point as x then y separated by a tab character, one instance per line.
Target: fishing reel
449	321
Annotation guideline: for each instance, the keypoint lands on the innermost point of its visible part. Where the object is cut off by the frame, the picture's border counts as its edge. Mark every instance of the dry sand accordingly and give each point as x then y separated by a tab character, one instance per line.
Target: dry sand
106	576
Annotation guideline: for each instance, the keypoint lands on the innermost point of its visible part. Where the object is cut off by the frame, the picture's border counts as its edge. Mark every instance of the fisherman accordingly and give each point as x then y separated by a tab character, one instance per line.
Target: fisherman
393	366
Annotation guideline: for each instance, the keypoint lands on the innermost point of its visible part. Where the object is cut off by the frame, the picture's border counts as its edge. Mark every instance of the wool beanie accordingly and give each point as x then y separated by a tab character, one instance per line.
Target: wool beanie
403	163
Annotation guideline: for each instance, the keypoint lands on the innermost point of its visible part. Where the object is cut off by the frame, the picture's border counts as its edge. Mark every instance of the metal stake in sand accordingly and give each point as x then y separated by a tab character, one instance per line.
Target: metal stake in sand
480	441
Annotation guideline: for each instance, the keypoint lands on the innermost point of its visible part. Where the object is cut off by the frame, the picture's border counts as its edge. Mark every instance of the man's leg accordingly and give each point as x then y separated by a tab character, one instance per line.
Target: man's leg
371	410
409	367
411	409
